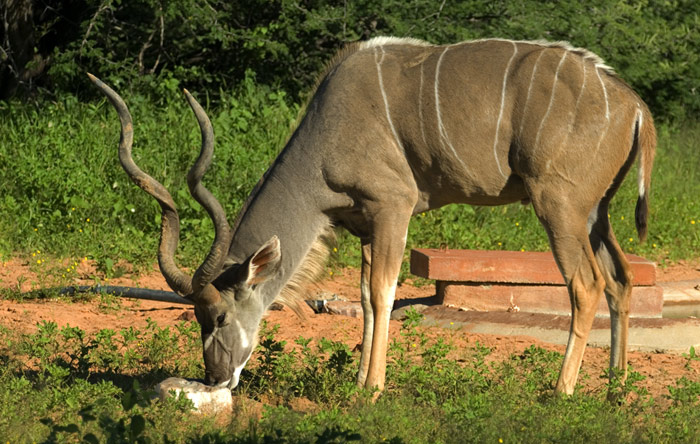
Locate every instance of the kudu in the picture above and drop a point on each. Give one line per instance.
(400, 126)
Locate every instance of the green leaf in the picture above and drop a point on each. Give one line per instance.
(129, 400)
(91, 439)
(138, 425)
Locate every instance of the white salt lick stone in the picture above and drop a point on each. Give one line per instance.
(208, 400)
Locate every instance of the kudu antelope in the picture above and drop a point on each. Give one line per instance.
(400, 126)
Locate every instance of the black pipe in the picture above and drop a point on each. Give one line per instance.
(127, 292)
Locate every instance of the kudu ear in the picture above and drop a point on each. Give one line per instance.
(262, 264)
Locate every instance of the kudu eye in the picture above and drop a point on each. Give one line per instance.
(221, 319)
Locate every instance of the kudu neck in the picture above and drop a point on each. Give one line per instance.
(283, 205)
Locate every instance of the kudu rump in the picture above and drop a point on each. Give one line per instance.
(397, 127)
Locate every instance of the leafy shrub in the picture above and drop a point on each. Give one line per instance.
(152, 47)
(324, 373)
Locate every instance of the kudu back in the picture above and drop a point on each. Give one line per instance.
(400, 126)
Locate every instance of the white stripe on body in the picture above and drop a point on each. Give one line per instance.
(551, 100)
(444, 138)
(529, 91)
(571, 124)
(420, 105)
(607, 113)
(379, 61)
(500, 112)
(605, 94)
(580, 94)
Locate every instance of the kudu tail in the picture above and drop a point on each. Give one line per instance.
(645, 141)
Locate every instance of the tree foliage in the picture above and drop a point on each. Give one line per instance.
(156, 45)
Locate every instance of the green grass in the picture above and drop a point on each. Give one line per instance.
(62, 385)
(65, 194)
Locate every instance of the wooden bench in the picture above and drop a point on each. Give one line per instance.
(520, 281)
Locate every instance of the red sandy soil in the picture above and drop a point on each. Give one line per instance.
(660, 370)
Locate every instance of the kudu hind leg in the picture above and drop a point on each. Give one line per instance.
(367, 313)
(585, 285)
(617, 273)
(572, 250)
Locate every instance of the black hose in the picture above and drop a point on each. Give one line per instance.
(127, 292)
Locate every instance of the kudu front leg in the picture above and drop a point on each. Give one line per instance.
(367, 313)
(387, 247)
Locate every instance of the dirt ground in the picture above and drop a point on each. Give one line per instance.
(660, 370)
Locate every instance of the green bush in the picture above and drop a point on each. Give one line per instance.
(150, 46)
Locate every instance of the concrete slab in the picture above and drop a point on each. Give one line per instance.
(681, 292)
(650, 335)
(673, 334)
(646, 301)
(681, 299)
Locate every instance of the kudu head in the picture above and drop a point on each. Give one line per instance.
(227, 304)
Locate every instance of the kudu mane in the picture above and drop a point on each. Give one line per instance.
(308, 272)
